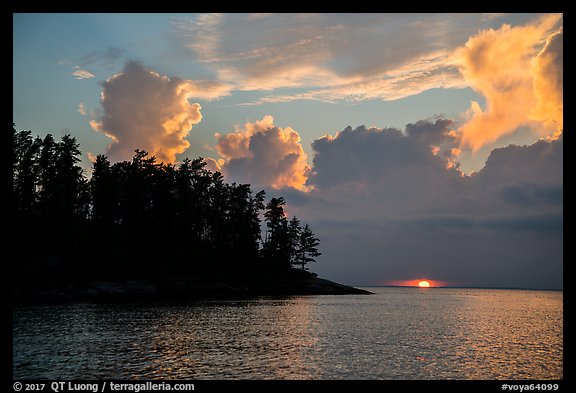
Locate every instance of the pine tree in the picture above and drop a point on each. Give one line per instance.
(294, 233)
(308, 250)
(277, 245)
(103, 191)
(71, 184)
(25, 171)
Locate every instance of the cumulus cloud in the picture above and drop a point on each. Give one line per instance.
(263, 154)
(505, 66)
(142, 109)
(523, 178)
(405, 164)
(410, 173)
(388, 202)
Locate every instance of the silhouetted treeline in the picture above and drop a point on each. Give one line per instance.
(140, 218)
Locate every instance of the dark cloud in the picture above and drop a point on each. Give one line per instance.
(538, 162)
(363, 155)
(395, 170)
(388, 205)
(528, 194)
(521, 179)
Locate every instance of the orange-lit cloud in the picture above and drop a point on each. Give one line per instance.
(82, 109)
(548, 84)
(212, 165)
(91, 156)
(263, 154)
(142, 109)
(329, 57)
(428, 72)
(504, 66)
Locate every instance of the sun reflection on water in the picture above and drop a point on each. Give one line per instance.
(398, 333)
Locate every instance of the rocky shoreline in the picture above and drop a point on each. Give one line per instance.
(178, 290)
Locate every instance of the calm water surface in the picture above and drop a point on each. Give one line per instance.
(398, 333)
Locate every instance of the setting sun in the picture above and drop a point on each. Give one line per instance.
(419, 283)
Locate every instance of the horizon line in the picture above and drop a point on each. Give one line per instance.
(458, 287)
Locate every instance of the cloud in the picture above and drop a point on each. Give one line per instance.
(365, 161)
(208, 90)
(547, 68)
(201, 35)
(505, 66)
(105, 58)
(82, 109)
(521, 180)
(401, 82)
(387, 205)
(82, 74)
(320, 55)
(288, 57)
(263, 154)
(212, 165)
(408, 173)
(142, 109)
(91, 156)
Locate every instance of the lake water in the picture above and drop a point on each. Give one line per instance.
(398, 333)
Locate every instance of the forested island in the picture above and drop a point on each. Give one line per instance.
(144, 229)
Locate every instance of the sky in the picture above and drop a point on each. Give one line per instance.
(415, 145)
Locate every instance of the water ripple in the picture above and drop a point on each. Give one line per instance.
(399, 333)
